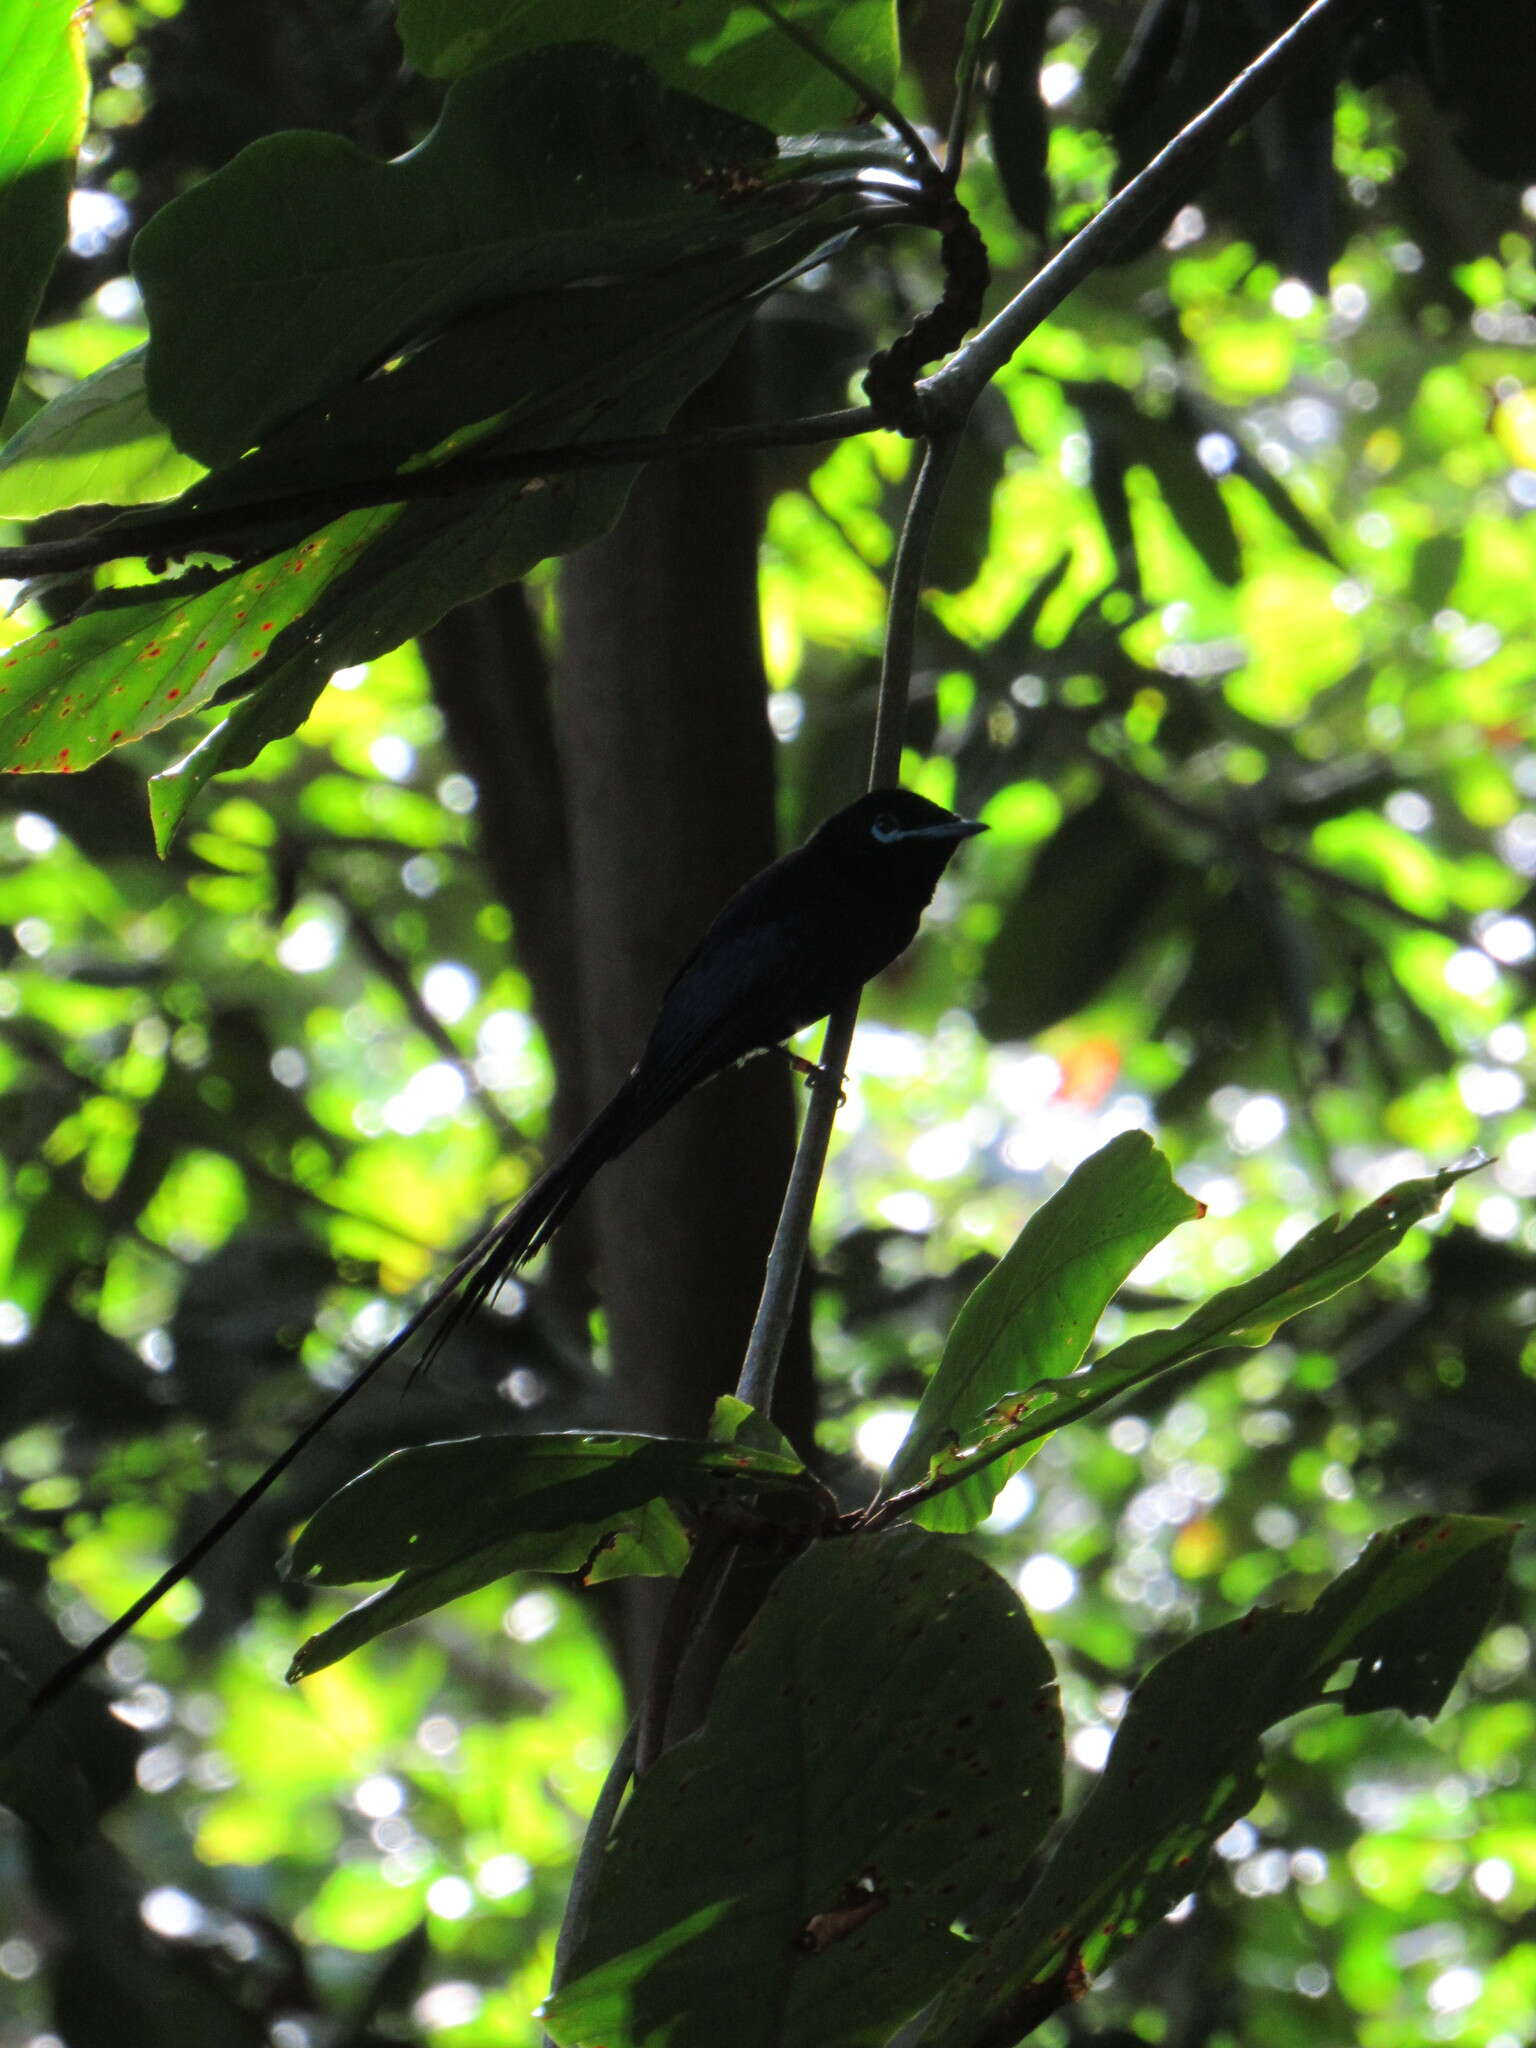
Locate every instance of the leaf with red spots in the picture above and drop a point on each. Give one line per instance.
(1187, 1759)
(883, 1746)
(142, 656)
(607, 359)
(356, 588)
(424, 558)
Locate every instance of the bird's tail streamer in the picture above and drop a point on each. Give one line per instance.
(473, 1279)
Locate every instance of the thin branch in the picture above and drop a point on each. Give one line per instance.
(781, 1279)
(382, 957)
(906, 597)
(1327, 881)
(863, 88)
(951, 392)
(242, 529)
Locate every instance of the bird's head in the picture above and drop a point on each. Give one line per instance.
(897, 842)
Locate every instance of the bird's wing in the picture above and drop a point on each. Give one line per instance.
(753, 984)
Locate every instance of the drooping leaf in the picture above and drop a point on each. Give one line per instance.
(646, 1541)
(1034, 1314)
(726, 51)
(1186, 1761)
(1126, 436)
(428, 1505)
(43, 86)
(1016, 118)
(789, 1878)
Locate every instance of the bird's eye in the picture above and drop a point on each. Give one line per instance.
(886, 828)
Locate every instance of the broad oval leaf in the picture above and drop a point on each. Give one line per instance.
(790, 1877)
(304, 264)
(726, 51)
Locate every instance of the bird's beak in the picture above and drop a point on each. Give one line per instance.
(967, 828)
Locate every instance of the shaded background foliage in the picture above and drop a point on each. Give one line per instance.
(1229, 638)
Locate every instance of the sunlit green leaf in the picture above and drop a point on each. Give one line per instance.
(1031, 1319)
(42, 118)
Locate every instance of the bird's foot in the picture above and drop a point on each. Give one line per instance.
(816, 1076)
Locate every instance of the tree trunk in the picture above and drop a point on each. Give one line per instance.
(668, 767)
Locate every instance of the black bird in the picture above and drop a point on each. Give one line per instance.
(786, 950)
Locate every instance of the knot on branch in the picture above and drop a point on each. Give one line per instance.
(891, 379)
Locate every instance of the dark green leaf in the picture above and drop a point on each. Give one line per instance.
(1016, 116)
(39, 1778)
(1074, 922)
(726, 51)
(305, 265)
(430, 1505)
(1187, 1762)
(643, 1542)
(789, 1878)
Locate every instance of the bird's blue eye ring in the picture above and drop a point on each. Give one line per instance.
(886, 828)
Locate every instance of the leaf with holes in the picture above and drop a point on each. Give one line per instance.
(884, 1745)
